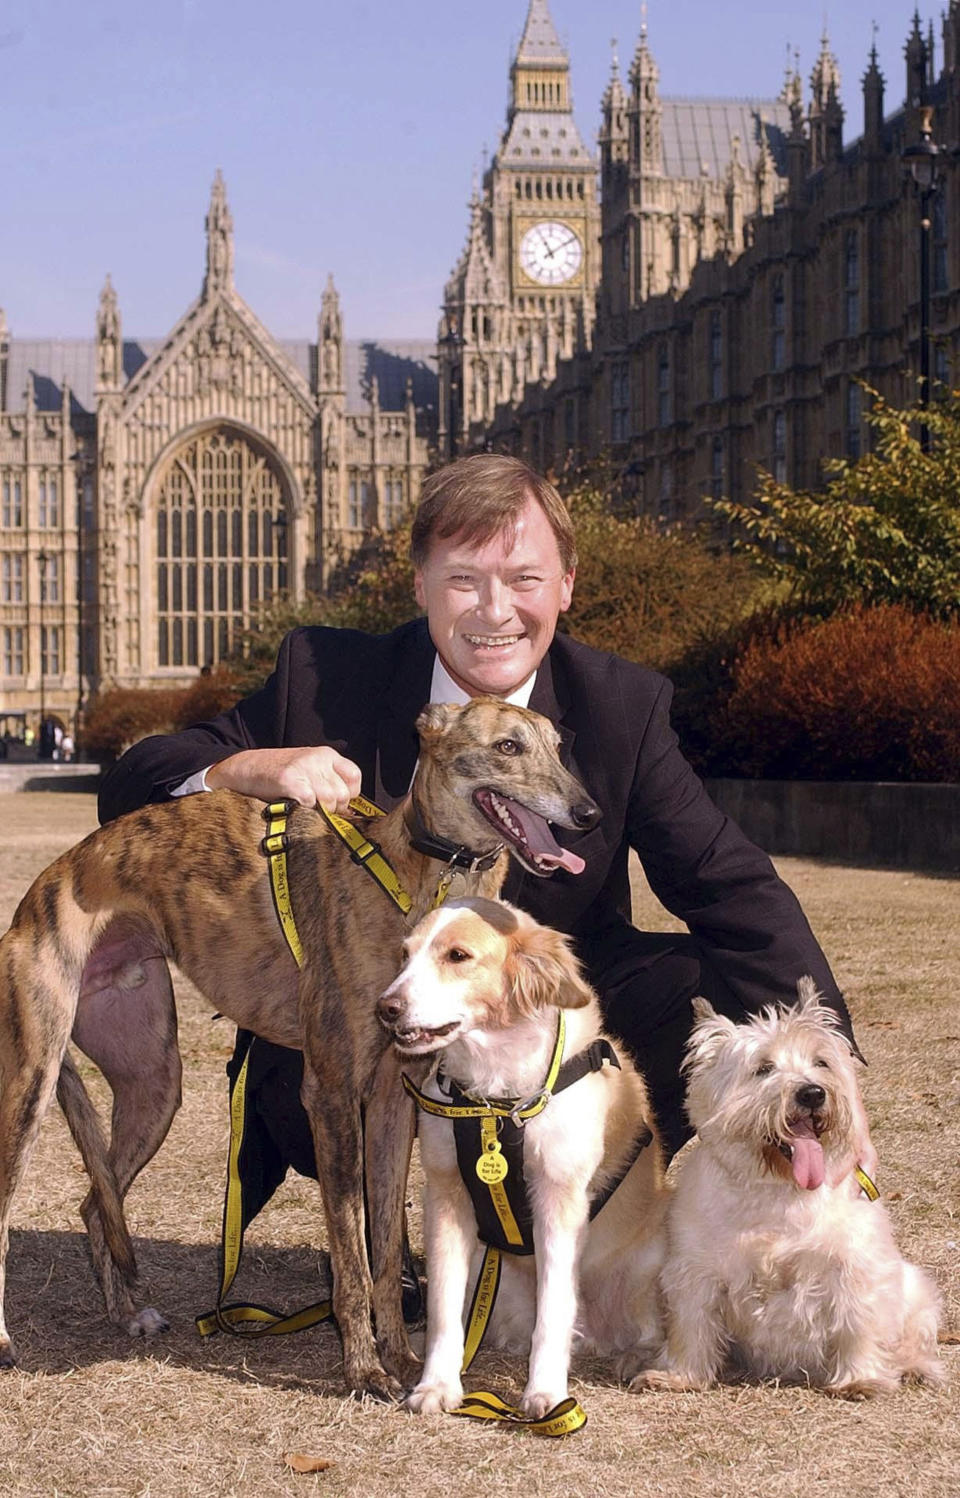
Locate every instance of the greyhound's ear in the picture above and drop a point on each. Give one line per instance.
(436, 718)
(543, 970)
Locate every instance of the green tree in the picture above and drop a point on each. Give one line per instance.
(886, 529)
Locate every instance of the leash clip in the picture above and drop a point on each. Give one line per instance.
(536, 1100)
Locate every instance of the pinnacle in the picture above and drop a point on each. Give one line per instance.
(540, 42)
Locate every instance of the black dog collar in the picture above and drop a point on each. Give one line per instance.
(454, 855)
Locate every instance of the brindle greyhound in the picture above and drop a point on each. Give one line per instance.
(86, 956)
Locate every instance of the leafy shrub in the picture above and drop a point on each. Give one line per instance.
(651, 593)
(121, 716)
(869, 694)
(886, 529)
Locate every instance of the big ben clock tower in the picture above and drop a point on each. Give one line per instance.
(522, 294)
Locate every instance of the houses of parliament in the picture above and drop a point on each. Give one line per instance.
(703, 296)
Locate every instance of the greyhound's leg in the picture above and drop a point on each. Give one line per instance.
(332, 1092)
(33, 1038)
(126, 1023)
(389, 1127)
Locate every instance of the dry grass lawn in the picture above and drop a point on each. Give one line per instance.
(88, 1412)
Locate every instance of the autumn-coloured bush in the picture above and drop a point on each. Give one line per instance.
(121, 716)
(650, 592)
(868, 694)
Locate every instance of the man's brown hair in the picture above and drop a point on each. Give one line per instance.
(482, 495)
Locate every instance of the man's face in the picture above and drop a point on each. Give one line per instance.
(492, 607)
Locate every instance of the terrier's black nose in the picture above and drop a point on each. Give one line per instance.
(811, 1096)
(585, 814)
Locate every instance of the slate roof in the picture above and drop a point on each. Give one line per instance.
(699, 132)
(51, 360)
(543, 139)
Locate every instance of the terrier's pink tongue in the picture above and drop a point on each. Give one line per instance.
(807, 1160)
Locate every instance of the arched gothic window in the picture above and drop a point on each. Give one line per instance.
(221, 534)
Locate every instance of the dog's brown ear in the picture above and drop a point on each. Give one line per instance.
(436, 718)
(543, 970)
(703, 1009)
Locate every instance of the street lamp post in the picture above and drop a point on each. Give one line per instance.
(921, 161)
(42, 560)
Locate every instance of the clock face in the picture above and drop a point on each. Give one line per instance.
(551, 253)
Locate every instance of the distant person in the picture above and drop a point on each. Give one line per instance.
(67, 747)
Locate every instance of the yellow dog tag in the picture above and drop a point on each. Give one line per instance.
(491, 1166)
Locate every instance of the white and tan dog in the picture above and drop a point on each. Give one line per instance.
(778, 1264)
(482, 984)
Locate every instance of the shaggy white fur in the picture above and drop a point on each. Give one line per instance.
(777, 1263)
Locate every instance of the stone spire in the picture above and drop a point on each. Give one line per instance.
(219, 226)
(540, 43)
(826, 111)
(915, 53)
(873, 101)
(540, 75)
(4, 358)
(109, 344)
(614, 100)
(330, 342)
(646, 108)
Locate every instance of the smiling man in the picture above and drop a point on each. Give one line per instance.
(495, 561)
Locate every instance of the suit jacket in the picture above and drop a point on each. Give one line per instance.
(362, 694)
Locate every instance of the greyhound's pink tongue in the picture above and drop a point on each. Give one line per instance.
(541, 841)
(807, 1158)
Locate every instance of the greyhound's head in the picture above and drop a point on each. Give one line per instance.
(489, 773)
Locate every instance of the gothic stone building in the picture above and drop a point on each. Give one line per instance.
(754, 269)
(154, 493)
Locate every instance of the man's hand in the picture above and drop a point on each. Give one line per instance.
(312, 777)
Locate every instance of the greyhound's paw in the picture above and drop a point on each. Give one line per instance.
(8, 1358)
(147, 1323)
(432, 1399)
(377, 1384)
(407, 1370)
(536, 1403)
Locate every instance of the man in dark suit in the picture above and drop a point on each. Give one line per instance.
(495, 560)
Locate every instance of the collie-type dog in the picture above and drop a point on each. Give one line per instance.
(483, 986)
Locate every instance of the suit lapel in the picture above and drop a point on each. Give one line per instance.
(551, 698)
(397, 743)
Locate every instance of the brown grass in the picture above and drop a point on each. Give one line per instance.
(89, 1412)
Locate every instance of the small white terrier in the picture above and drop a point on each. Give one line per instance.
(778, 1263)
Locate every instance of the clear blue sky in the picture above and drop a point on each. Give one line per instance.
(347, 134)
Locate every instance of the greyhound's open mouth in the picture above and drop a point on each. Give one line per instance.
(527, 833)
(803, 1149)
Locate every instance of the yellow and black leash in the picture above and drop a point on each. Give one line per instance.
(868, 1187)
(240, 1318)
